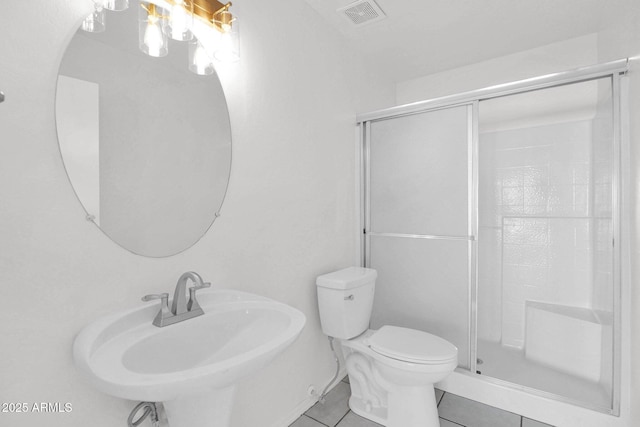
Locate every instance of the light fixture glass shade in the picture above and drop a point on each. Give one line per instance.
(96, 22)
(199, 61)
(228, 46)
(179, 22)
(152, 37)
(116, 5)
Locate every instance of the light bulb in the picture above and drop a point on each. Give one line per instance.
(179, 22)
(178, 18)
(225, 52)
(227, 48)
(225, 19)
(153, 37)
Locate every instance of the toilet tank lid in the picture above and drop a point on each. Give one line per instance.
(412, 345)
(347, 278)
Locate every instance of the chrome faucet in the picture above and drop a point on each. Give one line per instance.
(181, 309)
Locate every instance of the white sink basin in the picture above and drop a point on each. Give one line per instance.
(197, 360)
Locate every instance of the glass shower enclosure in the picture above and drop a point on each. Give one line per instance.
(493, 220)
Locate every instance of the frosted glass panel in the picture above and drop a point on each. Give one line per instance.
(419, 173)
(423, 284)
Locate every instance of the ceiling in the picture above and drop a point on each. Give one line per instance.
(421, 37)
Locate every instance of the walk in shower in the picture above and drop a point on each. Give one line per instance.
(493, 220)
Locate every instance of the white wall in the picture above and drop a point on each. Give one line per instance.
(289, 213)
(566, 55)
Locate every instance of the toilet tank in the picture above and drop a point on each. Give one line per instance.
(345, 300)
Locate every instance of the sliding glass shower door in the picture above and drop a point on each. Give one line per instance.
(494, 222)
(417, 228)
(546, 247)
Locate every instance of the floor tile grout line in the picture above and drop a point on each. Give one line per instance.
(458, 424)
(438, 404)
(318, 421)
(347, 413)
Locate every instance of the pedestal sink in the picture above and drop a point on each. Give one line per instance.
(192, 366)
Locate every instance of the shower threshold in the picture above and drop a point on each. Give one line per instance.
(510, 364)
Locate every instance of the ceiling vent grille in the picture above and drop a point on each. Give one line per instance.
(362, 12)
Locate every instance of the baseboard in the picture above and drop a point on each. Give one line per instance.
(304, 406)
(296, 412)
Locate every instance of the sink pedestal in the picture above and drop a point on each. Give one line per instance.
(208, 409)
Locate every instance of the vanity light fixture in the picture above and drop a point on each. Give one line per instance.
(221, 40)
(116, 5)
(208, 25)
(95, 22)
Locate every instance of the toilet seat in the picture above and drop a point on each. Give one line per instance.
(412, 346)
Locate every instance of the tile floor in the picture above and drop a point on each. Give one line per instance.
(455, 411)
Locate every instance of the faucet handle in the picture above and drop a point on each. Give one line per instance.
(193, 305)
(164, 313)
(151, 297)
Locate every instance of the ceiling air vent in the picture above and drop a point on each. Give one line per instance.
(362, 12)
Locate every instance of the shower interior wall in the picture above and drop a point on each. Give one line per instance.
(527, 251)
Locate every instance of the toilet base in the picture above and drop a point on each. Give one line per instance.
(409, 407)
(413, 407)
(359, 407)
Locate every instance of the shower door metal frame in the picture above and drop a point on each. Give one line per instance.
(614, 70)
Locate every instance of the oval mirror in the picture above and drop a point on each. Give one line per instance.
(145, 142)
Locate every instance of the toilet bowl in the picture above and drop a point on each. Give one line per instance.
(392, 382)
(391, 370)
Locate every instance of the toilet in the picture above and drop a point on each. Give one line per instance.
(391, 370)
